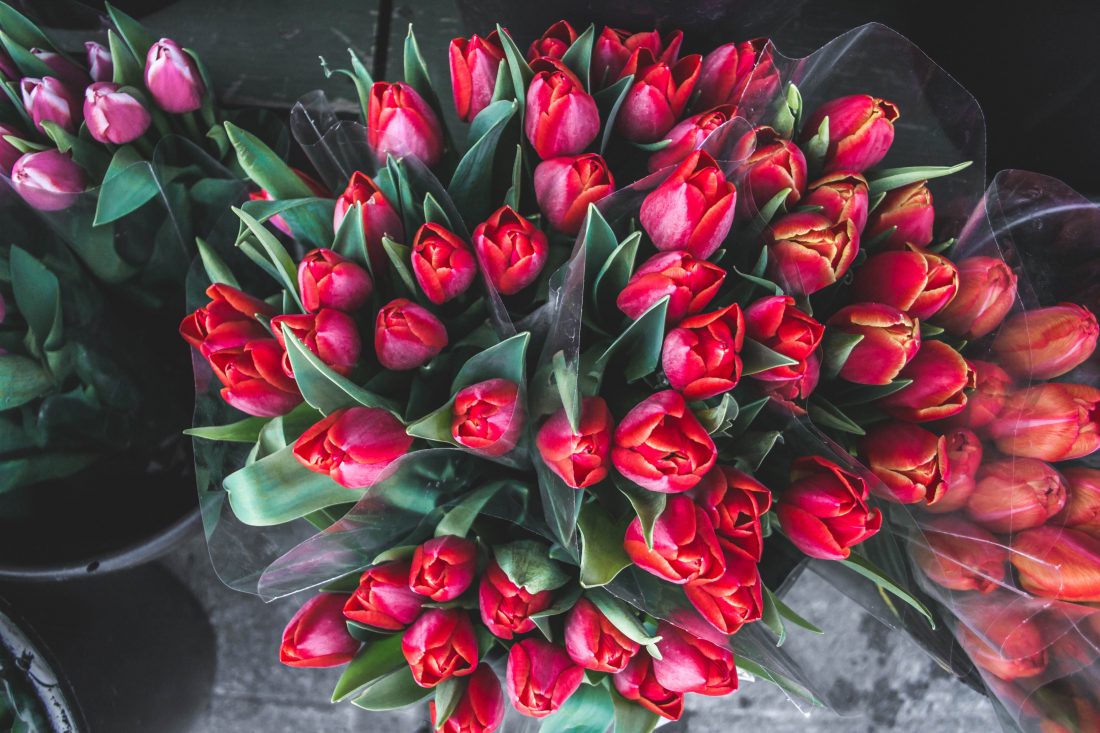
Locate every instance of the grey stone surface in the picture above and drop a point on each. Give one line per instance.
(884, 680)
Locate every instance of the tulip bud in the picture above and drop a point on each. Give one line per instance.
(964, 455)
(691, 664)
(380, 218)
(317, 636)
(808, 252)
(442, 263)
(49, 100)
(692, 210)
(277, 220)
(910, 461)
(1082, 508)
(727, 70)
(984, 404)
(1046, 342)
(690, 285)
(228, 321)
(824, 510)
(8, 152)
(770, 164)
(841, 195)
(890, 340)
(355, 446)
(407, 336)
(638, 684)
(685, 548)
(661, 446)
(70, 73)
(114, 116)
(613, 49)
(479, 710)
(48, 180)
(1053, 422)
(511, 249)
(861, 130)
(580, 459)
(1003, 640)
(734, 501)
(328, 280)
(689, 135)
(100, 63)
(487, 418)
(554, 42)
(789, 393)
(564, 187)
(658, 96)
(959, 555)
(253, 378)
(734, 599)
(506, 608)
(701, 357)
(383, 599)
(562, 118)
(443, 568)
(912, 280)
(330, 334)
(776, 323)
(1058, 562)
(440, 644)
(940, 377)
(474, 66)
(593, 642)
(540, 677)
(986, 292)
(908, 212)
(1016, 494)
(400, 123)
(173, 78)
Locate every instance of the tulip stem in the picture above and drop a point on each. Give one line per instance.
(192, 126)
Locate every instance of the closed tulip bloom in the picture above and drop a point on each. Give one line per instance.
(380, 218)
(439, 645)
(579, 459)
(1083, 499)
(940, 379)
(1046, 342)
(383, 599)
(317, 636)
(890, 340)
(861, 131)
(561, 118)
(912, 280)
(726, 71)
(658, 95)
(407, 336)
(692, 210)
(685, 548)
(841, 195)
(770, 164)
(330, 334)
(474, 65)
(328, 280)
(554, 42)
(807, 251)
(1058, 562)
(987, 290)
(564, 187)
(1015, 494)
(228, 321)
(400, 123)
(540, 677)
(593, 642)
(661, 446)
(101, 66)
(173, 78)
(984, 404)
(8, 152)
(910, 461)
(689, 283)
(1004, 640)
(691, 664)
(824, 510)
(733, 600)
(638, 684)
(479, 710)
(958, 555)
(908, 212)
(789, 393)
(1053, 422)
(506, 608)
(487, 418)
(48, 180)
(253, 379)
(354, 446)
(614, 47)
(734, 501)
(443, 567)
(777, 323)
(113, 116)
(701, 357)
(443, 264)
(964, 456)
(49, 100)
(688, 135)
(511, 249)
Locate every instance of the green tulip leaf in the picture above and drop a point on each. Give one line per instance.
(602, 553)
(504, 361)
(21, 380)
(417, 76)
(373, 662)
(642, 341)
(29, 64)
(214, 265)
(588, 710)
(862, 566)
(756, 358)
(517, 66)
(615, 272)
(458, 520)
(396, 690)
(22, 30)
(753, 447)
(861, 394)
(719, 417)
(128, 185)
(434, 213)
(622, 616)
(568, 388)
(630, 717)
(891, 178)
(745, 416)
(284, 267)
(648, 505)
(578, 57)
(38, 297)
(448, 694)
(827, 415)
(527, 564)
(400, 256)
(351, 239)
(323, 388)
(136, 36)
(817, 146)
(126, 68)
(514, 195)
(86, 153)
(767, 212)
(609, 101)
(242, 431)
(837, 348)
(748, 664)
(599, 244)
(471, 185)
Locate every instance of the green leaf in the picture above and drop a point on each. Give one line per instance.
(285, 268)
(622, 616)
(517, 66)
(395, 690)
(351, 239)
(242, 431)
(788, 111)
(754, 446)
(471, 184)
(400, 256)
(928, 331)
(29, 64)
(458, 520)
(891, 178)
(136, 36)
(21, 380)
(527, 564)
(373, 662)
(323, 388)
(448, 694)
(568, 387)
(38, 297)
(767, 212)
(588, 710)
(609, 101)
(504, 360)
(514, 195)
(630, 717)
(614, 274)
(215, 266)
(861, 565)
(772, 619)
(266, 169)
(861, 394)
(128, 185)
(714, 418)
(817, 146)
(599, 244)
(126, 69)
(745, 416)
(434, 213)
(87, 154)
(602, 553)
(756, 358)
(828, 415)
(578, 57)
(648, 505)
(22, 30)
(416, 73)
(644, 339)
(791, 615)
(783, 682)
(838, 347)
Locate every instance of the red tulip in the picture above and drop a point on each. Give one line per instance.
(317, 636)
(890, 341)
(841, 195)
(443, 568)
(701, 357)
(940, 377)
(912, 280)
(579, 459)
(474, 66)
(380, 218)
(479, 710)
(112, 115)
(564, 187)
(789, 393)
(910, 461)
(733, 600)
(487, 418)
(770, 164)
(1004, 640)
(685, 548)
(1053, 422)
(327, 280)
(593, 642)
(553, 43)
(355, 446)
(808, 251)
(228, 321)
(48, 180)
(173, 78)
(1082, 508)
(1016, 494)
(400, 123)
(727, 71)
(661, 446)
(613, 49)
(407, 336)
(506, 608)
(861, 130)
(383, 599)
(511, 249)
(734, 501)
(776, 323)
(1058, 562)
(908, 212)
(985, 403)
(658, 96)
(443, 264)
(440, 644)
(690, 285)
(964, 455)
(824, 510)
(689, 135)
(540, 677)
(987, 290)
(1046, 342)
(638, 684)
(692, 210)
(691, 664)
(277, 220)
(561, 117)
(49, 100)
(100, 65)
(253, 379)
(961, 556)
(330, 334)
